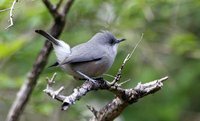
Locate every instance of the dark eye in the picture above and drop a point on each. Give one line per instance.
(112, 41)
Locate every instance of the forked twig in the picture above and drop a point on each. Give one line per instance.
(118, 75)
(11, 14)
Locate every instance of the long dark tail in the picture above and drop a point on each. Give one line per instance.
(48, 36)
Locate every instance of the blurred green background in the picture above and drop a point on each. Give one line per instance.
(170, 47)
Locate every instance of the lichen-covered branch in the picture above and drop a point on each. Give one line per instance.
(113, 109)
(124, 97)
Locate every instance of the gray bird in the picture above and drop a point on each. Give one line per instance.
(92, 58)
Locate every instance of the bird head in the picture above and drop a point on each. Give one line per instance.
(106, 38)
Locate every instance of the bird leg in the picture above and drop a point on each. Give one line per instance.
(87, 77)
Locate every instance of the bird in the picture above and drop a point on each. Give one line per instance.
(92, 58)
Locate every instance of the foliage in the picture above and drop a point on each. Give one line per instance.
(170, 46)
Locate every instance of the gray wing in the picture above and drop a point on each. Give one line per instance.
(85, 53)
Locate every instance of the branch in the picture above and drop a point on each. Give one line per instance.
(11, 14)
(124, 97)
(59, 4)
(67, 7)
(117, 105)
(52, 9)
(4, 9)
(27, 88)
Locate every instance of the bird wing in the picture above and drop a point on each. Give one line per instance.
(84, 53)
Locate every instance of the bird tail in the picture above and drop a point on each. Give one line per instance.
(48, 36)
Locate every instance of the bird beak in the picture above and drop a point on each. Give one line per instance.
(120, 40)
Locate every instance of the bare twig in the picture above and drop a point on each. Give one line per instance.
(150, 87)
(76, 95)
(4, 9)
(49, 90)
(135, 47)
(118, 76)
(120, 84)
(11, 14)
(109, 75)
(50, 82)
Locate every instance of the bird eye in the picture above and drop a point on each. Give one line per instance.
(112, 41)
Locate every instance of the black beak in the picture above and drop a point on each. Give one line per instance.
(120, 40)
